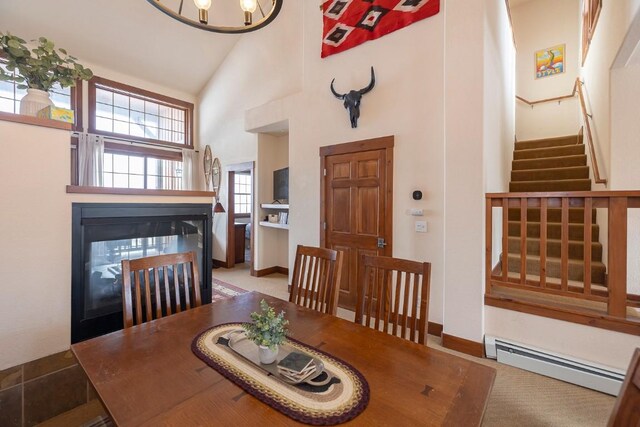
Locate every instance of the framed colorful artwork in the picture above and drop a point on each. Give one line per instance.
(550, 62)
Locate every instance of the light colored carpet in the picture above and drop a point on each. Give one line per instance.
(519, 398)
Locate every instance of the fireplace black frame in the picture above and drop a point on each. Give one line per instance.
(83, 329)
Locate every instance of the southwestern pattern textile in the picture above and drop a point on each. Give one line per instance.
(348, 23)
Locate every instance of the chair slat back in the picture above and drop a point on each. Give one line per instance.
(316, 279)
(626, 411)
(393, 296)
(153, 288)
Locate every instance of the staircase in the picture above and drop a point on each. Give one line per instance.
(550, 165)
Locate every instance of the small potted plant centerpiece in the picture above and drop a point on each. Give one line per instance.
(268, 331)
(38, 70)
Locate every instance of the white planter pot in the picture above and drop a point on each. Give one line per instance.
(34, 101)
(267, 356)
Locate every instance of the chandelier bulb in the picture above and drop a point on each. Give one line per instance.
(249, 5)
(203, 4)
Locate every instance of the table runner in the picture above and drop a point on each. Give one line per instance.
(336, 403)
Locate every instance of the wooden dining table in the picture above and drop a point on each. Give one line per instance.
(148, 375)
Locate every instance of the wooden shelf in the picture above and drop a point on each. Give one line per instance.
(274, 225)
(275, 206)
(74, 189)
(35, 121)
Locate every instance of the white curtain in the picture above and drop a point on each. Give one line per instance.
(90, 160)
(188, 160)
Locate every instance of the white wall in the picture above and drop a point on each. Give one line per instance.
(35, 225)
(499, 106)
(263, 66)
(625, 155)
(539, 25)
(272, 244)
(613, 25)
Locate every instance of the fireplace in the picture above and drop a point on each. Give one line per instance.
(104, 234)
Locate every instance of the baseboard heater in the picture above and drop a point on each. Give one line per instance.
(574, 371)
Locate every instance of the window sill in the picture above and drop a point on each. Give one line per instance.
(75, 189)
(35, 121)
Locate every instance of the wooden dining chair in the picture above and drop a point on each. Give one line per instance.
(626, 411)
(316, 279)
(162, 285)
(393, 296)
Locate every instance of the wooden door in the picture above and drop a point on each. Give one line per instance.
(356, 210)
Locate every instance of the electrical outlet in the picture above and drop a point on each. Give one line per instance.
(421, 226)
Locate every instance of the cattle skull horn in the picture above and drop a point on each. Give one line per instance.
(353, 98)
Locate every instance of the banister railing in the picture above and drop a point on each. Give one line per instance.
(535, 257)
(578, 89)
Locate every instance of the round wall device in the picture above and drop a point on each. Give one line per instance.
(417, 195)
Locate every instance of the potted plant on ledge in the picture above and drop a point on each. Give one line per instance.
(267, 331)
(38, 70)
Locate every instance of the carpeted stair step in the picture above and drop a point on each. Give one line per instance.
(553, 185)
(548, 142)
(554, 248)
(553, 268)
(541, 153)
(554, 230)
(550, 162)
(576, 215)
(574, 172)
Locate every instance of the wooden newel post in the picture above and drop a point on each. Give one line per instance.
(617, 282)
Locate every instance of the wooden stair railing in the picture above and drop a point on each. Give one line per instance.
(578, 89)
(532, 289)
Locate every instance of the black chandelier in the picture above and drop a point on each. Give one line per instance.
(248, 7)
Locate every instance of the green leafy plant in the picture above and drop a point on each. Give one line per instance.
(41, 67)
(267, 329)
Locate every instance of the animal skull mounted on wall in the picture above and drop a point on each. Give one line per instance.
(353, 98)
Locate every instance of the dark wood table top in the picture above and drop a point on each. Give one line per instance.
(147, 375)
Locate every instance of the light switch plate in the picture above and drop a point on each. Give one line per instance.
(421, 226)
(416, 212)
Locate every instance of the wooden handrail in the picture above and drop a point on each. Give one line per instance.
(557, 98)
(577, 89)
(592, 151)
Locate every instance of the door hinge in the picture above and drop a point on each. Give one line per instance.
(324, 225)
(324, 171)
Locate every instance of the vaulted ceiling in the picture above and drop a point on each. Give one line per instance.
(128, 36)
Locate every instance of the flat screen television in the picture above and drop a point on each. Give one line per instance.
(281, 184)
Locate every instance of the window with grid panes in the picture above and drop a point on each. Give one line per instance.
(242, 193)
(123, 170)
(131, 113)
(10, 95)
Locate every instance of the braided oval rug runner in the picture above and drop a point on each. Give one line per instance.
(344, 398)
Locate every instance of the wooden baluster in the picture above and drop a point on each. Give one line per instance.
(588, 236)
(176, 288)
(312, 282)
(147, 294)
(167, 292)
(320, 297)
(396, 302)
(187, 294)
(380, 289)
(564, 246)
(523, 241)
(505, 239)
(414, 305)
(405, 303)
(369, 289)
(138, 289)
(156, 280)
(488, 252)
(543, 241)
(303, 273)
(617, 283)
(388, 286)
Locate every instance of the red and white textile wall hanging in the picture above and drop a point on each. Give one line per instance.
(348, 23)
